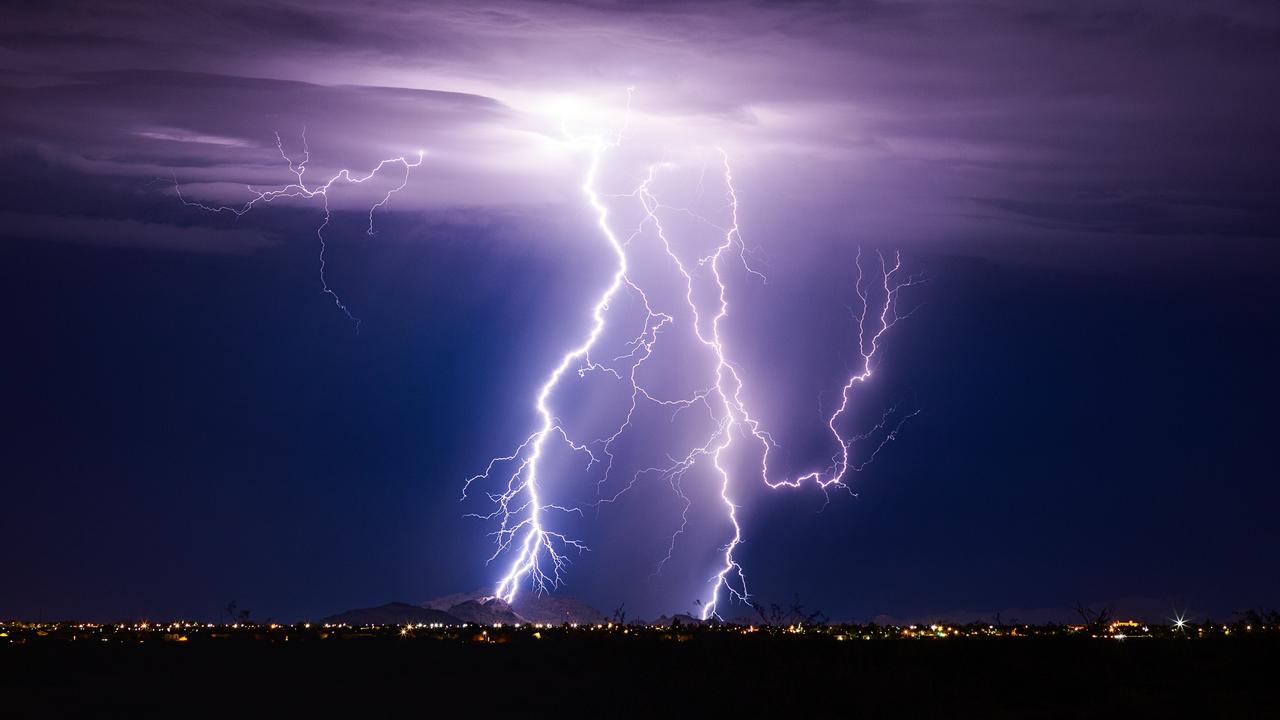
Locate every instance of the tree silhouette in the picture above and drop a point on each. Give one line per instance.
(800, 617)
(1095, 621)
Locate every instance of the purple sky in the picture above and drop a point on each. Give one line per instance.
(1090, 185)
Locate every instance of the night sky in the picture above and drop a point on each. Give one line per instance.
(1089, 187)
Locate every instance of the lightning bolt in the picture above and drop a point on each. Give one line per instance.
(729, 385)
(540, 554)
(874, 325)
(299, 189)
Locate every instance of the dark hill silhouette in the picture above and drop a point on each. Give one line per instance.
(556, 609)
(393, 613)
(485, 611)
(682, 619)
(478, 606)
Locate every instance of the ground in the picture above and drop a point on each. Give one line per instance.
(515, 673)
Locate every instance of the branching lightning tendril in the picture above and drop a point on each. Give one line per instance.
(535, 551)
(299, 189)
(538, 553)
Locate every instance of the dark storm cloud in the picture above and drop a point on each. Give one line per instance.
(135, 131)
(102, 116)
(916, 104)
(133, 233)
(1138, 216)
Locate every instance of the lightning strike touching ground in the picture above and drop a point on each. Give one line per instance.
(539, 553)
(520, 509)
(299, 189)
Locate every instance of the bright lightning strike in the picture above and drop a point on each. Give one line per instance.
(538, 553)
(299, 189)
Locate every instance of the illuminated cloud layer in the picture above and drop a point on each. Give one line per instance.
(807, 142)
(919, 119)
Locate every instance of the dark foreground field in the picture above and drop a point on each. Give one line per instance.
(598, 674)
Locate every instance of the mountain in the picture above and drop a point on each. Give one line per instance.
(444, 603)
(683, 619)
(393, 613)
(479, 607)
(555, 610)
(484, 611)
